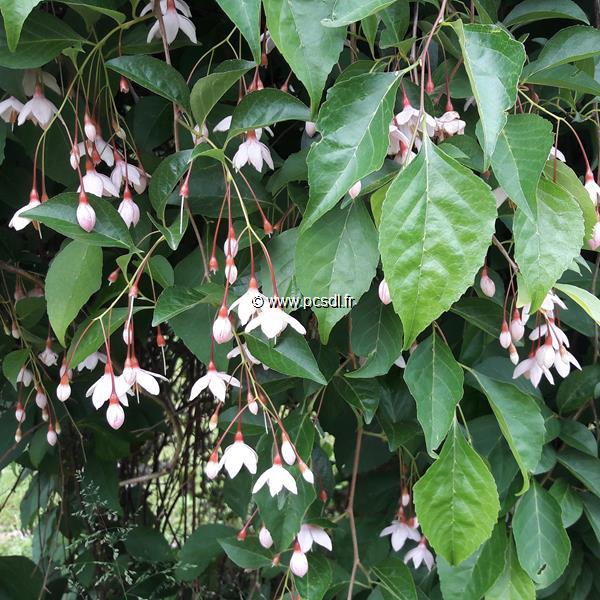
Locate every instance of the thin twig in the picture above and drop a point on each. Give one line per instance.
(350, 507)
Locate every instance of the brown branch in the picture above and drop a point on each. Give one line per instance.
(4, 266)
(350, 507)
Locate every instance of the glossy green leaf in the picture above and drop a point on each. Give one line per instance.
(376, 335)
(42, 38)
(338, 255)
(165, 179)
(12, 363)
(317, 582)
(174, 301)
(481, 312)
(513, 583)
(431, 260)
(520, 421)
(155, 75)
(266, 107)
(74, 275)
(148, 545)
(395, 579)
(568, 45)
(14, 13)
(248, 554)
(354, 125)
(396, 19)
(60, 214)
(477, 574)
(583, 466)
(566, 76)
(493, 61)
(530, 11)
(20, 578)
(435, 381)
(577, 389)
(543, 546)
(456, 500)
(362, 394)
(208, 90)
(245, 14)
(92, 10)
(585, 299)
(291, 355)
(578, 436)
(546, 245)
(344, 12)
(520, 156)
(591, 507)
(310, 49)
(571, 506)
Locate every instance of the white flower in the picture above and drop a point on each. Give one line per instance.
(530, 369)
(173, 22)
(449, 124)
(31, 77)
(517, 328)
(400, 362)
(18, 222)
(486, 283)
(354, 191)
(129, 210)
(402, 530)
(407, 121)
(563, 360)
(384, 292)
(273, 321)
(231, 245)
(51, 436)
(558, 336)
(593, 189)
(25, 376)
(250, 303)
(420, 554)
(200, 134)
(63, 390)
(180, 5)
(550, 301)
(298, 562)
(556, 153)
(126, 172)
(99, 147)
(91, 362)
(313, 533)
(86, 215)
(231, 271)
(306, 473)
(505, 339)
(20, 412)
(40, 398)
(238, 455)
(48, 356)
(277, 478)
(10, 109)
(264, 537)
(267, 41)
(237, 351)
(89, 127)
(287, 450)
(96, 183)
(252, 151)
(102, 389)
(310, 128)
(134, 375)
(513, 354)
(215, 381)
(544, 355)
(223, 124)
(222, 330)
(115, 415)
(39, 110)
(212, 466)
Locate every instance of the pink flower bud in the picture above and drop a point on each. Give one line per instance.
(18, 434)
(264, 537)
(63, 391)
(298, 562)
(310, 128)
(86, 216)
(231, 271)
(89, 127)
(505, 339)
(306, 472)
(354, 191)
(231, 244)
(487, 285)
(222, 330)
(213, 264)
(114, 413)
(287, 450)
(74, 157)
(45, 415)
(40, 398)
(252, 403)
(517, 329)
(19, 412)
(124, 85)
(514, 355)
(384, 292)
(51, 436)
(545, 355)
(112, 278)
(212, 466)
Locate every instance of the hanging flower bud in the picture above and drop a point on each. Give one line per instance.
(89, 127)
(51, 436)
(86, 216)
(276, 560)
(514, 355)
(354, 191)
(214, 420)
(63, 391)
(287, 450)
(124, 85)
(14, 331)
(487, 285)
(112, 278)
(405, 498)
(241, 536)
(306, 472)
(74, 157)
(45, 415)
(212, 466)
(222, 330)
(19, 412)
(231, 271)
(252, 403)
(298, 562)
(429, 86)
(160, 338)
(310, 128)
(264, 537)
(384, 292)
(40, 398)
(517, 329)
(18, 434)
(231, 244)
(544, 355)
(594, 242)
(213, 264)
(115, 415)
(128, 209)
(505, 339)
(323, 495)
(267, 227)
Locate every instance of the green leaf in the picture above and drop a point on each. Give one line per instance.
(577, 389)
(310, 49)
(92, 10)
(148, 545)
(578, 436)
(477, 574)
(569, 501)
(591, 507)
(60, 214)
(344, 12)
(74, 275)
(493, 61)
(568, 45)
(42, 38)
(543, 546)
(12, 363)
(456, 500)
(435, 381)
(362, 394)
(155, 75)
(395, 579)
(175, 232)
(317, 582)
(208, 90)
(338, 255)
(431, 260)
(583, 466)
(530, 11)
(396, 19)
(20, 578)
(354, 125)
(520, 421)
(245, 14)
(174, 301)
(520, 156)
(481, 312)
(200, 549)
(165, 178)
(248, 554)
(546, 245)
(513, 583)
(14, 13)
(376, 335)
(587, 301)
(566, 76)
(291, 355)
(266, 107)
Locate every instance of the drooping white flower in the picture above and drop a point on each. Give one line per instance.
(420, 554)
(517, 329)
(310, 128)
(402, 530)
(505, 339)
(10, 109)
(115, 415)
(212, 468)
(486, 283)
(89, 127)
(96, 183)
(231, 245)
(20, 413)
(556, 153)
(32, 77)
(129, 210)
(180, 5)
(298, 562)
(237, 455)
(173, 22)
(513, 354)
(48, 356)
(530, 369)
(40, 398)
(592, 188)
(558, 336)
(63, 390)
(215, 381)
(544, 355)
(18, 222)
(39, 110)
(287, 450)
(99, 150)
(313, 533)
(252, 151)
(563, 360)
(264, 537)
(222, 330)
(134, 375)
(277, 478)
(384, 292)
(123, 172)
(408, 120)
(306, 473)
(449, 124)
(25, 376)
(86, 215)
(247, 355)
(272, 322)
(223, 125)
(200, 134)
(250, 303)
(550, 301)
(102, 389)
(51, 436)
(231, 271)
